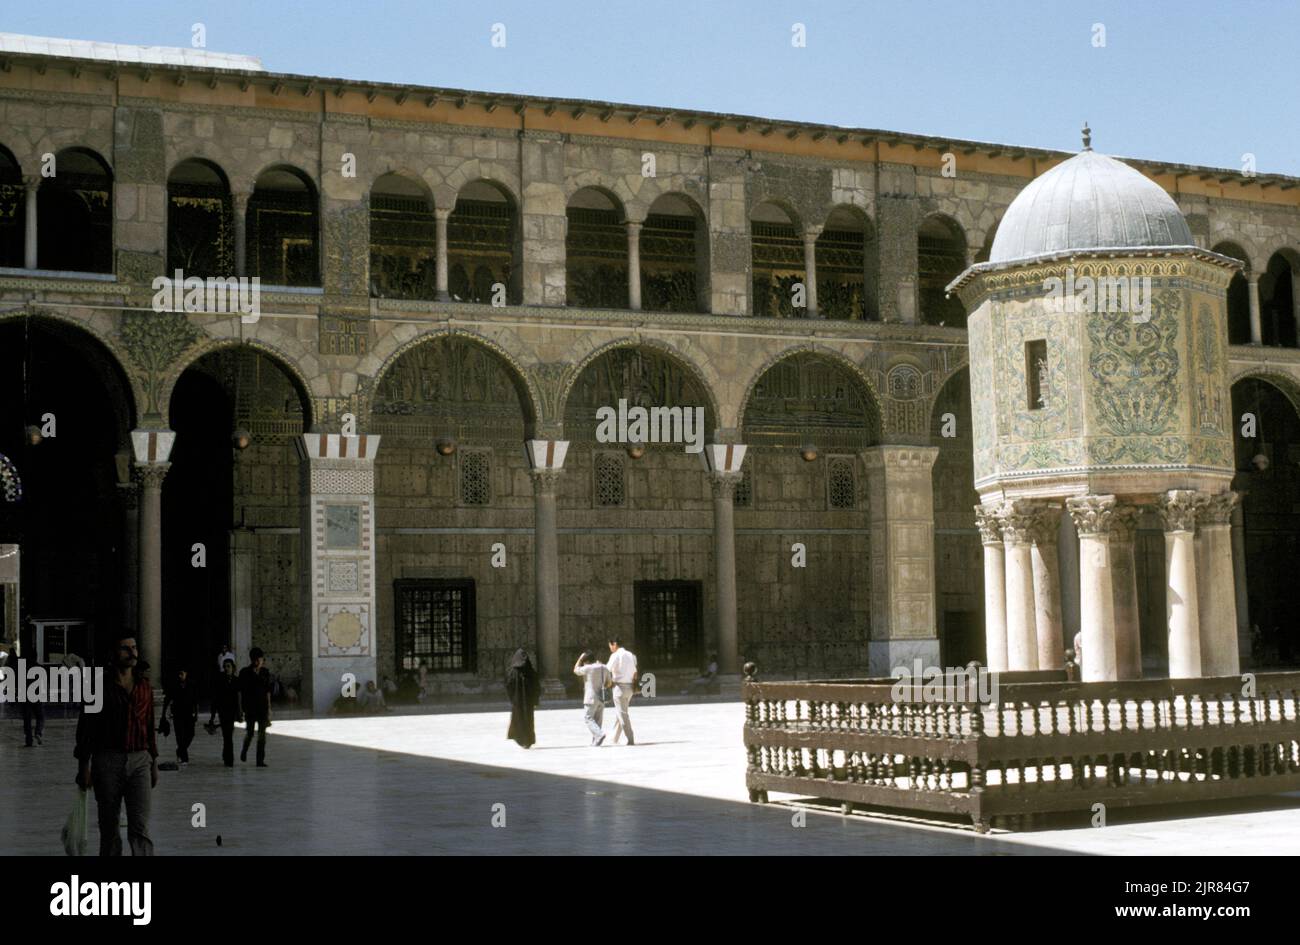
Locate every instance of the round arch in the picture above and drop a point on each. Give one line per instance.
(941, 257)
(820, 351)
(484, 245)
(674, 250)
(283, 227)
(74, 210)
(282, 359)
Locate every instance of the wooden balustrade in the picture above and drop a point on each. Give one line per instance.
(1041, 745)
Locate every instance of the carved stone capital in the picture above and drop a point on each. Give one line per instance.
(724, 485)
(989, 524)
(545, 481)
(1044, 520)
(1092, 514)
(1178, 509)
(1019, 521)
(150, 476)
(1123, 524)
(1217, 509)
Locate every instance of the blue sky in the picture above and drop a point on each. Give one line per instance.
(1189, 81)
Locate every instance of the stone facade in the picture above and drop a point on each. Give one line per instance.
(884, 571)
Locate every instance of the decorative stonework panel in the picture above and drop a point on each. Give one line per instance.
(344, 629)
(343, 576)
(357, 481)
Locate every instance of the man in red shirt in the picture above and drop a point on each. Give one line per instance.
(117, 753)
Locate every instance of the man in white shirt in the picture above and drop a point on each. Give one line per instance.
(622, 666)
(593, 674)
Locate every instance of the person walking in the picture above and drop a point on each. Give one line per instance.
(622, 666)
(255, 703)
(117, 754)
(593, 675)
(184, 702)
(525, 691)
(225, 704)
(33, 718)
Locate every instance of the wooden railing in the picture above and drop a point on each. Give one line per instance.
(1038, 747)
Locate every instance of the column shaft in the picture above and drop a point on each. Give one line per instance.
(1239, 582)
(440, 217)
(547, 575)
(724, 564)
(1252, 293)
(1123, 559)
(1217, 596)
(1047, 585)
(239, 212)
(1181, 605)
(810, 274)
(1022, 638)
(149, 600)
(634, 266)
(995, 590)
(29, 223)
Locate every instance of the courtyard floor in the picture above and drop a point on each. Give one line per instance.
(429, 783)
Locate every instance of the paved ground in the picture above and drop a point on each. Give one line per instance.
(428, 783)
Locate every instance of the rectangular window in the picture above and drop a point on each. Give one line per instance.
(610, 489)
(668, 624)
(475, 478)
(1036, 377)
(435, 626)
(841, 484)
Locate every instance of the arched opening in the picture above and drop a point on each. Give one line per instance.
(13, 211)
(595, 247)
(200, 221)
(71, 523)
(843, 286)
(283, 229)
(242, 506)
(1268, 472)
(74, 211)
(618, 573)
(1238, 296)
(941, 257)
(403, 239)
(675, 257)
(958, 554)
(452, 414)
(806, 421)
(1277, 303)
(483, 245)
(777, 262)
(986, 249)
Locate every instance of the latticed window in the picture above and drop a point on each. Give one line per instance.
(475, 478)
(743, 497)
(435, 626)
(668, 624)
(610, 489)
(841, 486)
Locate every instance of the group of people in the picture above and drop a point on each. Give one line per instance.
(117, 750)
(618, 674)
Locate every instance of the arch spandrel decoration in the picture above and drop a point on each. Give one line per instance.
(450, 385)
(644, 376)
(269, 402)
(810, 394)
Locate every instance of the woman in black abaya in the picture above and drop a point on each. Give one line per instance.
(524, 691)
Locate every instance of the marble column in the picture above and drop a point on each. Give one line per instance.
(900, 483)
(995, 589)
(1123, 562)
(1067, 543)
(239, 213)
(1022, 617)
(1043, 534)
(1178, 511)
(440, 217)
(338, 565)
(150, 477)
(243, 559)
(30, 187)
(129, 494)
(723, 486)
(1092, 516)
(810, 271)
(1217, 594)
(633, 266)
(546, 461)
(1252, 294)
(1240, 588)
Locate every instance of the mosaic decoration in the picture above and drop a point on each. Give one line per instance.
(344, 629)
(807, 395)
(645, 377)
(11, 486)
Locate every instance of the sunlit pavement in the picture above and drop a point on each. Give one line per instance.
(435, 783)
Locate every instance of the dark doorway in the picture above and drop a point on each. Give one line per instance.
(963, 638)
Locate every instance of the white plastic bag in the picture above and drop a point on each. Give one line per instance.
(76, 826)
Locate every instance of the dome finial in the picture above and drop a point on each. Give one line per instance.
(1087, 137)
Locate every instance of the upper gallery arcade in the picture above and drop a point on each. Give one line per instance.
(447, 275)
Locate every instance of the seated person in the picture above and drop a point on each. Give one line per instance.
(708, 682)
(371, 699)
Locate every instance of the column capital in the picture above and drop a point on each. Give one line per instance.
(1092, 514)
(1044, 517)
(240, 198)
(1123, 523)
(723, 484)
(31, 181)
(150, 475)
(633, 227)
(1178, 508)
(987, 519)
(811, 232)
(1216, 510)
(545, 481)
(442, 214)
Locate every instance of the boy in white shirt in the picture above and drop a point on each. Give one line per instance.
(594, 675)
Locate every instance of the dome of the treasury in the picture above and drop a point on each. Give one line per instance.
(1089, 202)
